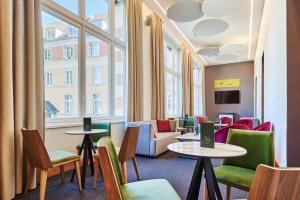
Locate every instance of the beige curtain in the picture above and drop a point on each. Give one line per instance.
(187, 83)
(135, 60)
(157, 58)
(21, 87)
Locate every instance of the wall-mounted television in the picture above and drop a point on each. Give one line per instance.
(227, 97)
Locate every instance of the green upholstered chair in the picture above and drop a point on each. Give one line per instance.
(239, 172)
(96, 137)
(158, 189)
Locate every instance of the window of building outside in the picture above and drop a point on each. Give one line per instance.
(172, 80)
(197, 89)
(87, 56)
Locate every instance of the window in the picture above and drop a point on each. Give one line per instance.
(97, 75)
(68, 77)
(68, 52)
(48, 79)
(47, 54)
(86, 51)
(197, 90)
(68, 104)
(172, 80)
(96, 104)
(94, 48)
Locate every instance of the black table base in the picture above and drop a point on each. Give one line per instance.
(211, 181)
(88, 149)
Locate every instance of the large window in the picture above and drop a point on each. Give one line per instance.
(197, 90)
(84, 46)
(172, 80)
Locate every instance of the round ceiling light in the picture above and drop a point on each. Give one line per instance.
(217, 8)
(209, 51)
(210, 27)
(232, 48)
(227, 57)
(185, 11)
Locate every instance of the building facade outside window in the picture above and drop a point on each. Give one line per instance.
(47, 54)
(94, 48)
(96, 104)
(197, 90)
(68, 104)
(50, 34)
(97, 75)
(68, 77)
(49, 79)
(68, 52)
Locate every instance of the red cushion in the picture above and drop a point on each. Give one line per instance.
(163, 126)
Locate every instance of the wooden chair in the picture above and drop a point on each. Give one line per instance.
(275, 183)
(39, 158)
(126, 152)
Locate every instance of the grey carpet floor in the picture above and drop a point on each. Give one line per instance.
(178, 171)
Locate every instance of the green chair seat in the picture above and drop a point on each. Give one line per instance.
(158, 189)
(237, 176)
(57, 157)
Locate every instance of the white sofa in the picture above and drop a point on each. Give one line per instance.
(151, 142)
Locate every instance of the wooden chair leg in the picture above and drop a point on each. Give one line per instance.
(77, 168)
(29, 173)
(62, 174)
(228, 191)
(96, 165)
(124, 172)
(205, 193)
(43, 181)
(136, 168)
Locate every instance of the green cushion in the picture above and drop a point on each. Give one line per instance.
(100, 125)
(190, 121)
(235, 175)
(259, 146)
(58, 157)
(158, 189)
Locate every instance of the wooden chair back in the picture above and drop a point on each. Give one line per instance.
(35, 149)
(128, 147)
(275, 183)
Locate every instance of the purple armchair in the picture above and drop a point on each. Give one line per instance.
(225, 120)
(221, 135)
(264, 127)
(248, 122)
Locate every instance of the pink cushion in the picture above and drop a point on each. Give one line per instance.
(248, 122)
(264, 127)
(221, 135)
(226, 120)
(163, 126)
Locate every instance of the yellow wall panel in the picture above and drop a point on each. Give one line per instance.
(228, 83)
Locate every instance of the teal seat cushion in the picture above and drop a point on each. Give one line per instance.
(235, 175)
(58, 157)
(158, 189)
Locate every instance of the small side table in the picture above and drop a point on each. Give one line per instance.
(87, 148)
(182, 130)
(204, 163)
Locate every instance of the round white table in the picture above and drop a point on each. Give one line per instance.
(204, 163)
(88, 148)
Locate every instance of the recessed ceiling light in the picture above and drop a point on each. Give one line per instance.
(209, 51)
(210, 27)
(227, 57)
(232, 48)
(217, 8)
(185, 11)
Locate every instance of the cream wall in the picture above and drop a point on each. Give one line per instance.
(272, 41)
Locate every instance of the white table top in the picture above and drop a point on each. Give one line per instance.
(220, 151)
(218, 124)
(82, 132)
(188, 136)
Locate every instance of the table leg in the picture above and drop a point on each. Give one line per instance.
(218, 192)
(80, 152)
(193, 192)
(84, 164)
(90, 155)
(211, 182)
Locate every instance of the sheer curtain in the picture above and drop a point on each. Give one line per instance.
(187, 83)
(157, 57)
(21, 87)
(135, 60)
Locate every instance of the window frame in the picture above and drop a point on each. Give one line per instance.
(109, 36)
(199, 94)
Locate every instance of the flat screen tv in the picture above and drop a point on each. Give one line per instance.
(227, 97)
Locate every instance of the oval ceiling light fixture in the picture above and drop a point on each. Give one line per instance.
(209, 51)
(210, 27)
(232, 48)
(227, 57)
(185, 11)
(217, 8)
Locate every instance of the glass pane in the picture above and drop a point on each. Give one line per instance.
(120, 19)
(97, 71)
(169, 93)
(61, 68)
(71, 5)
(119, 82)
(169, 57)
(96, 12)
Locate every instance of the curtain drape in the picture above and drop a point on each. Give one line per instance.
(157, 58)
(187, 83)
(135, 60)
(21, 87)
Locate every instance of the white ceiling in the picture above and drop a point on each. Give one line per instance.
(238, 31)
